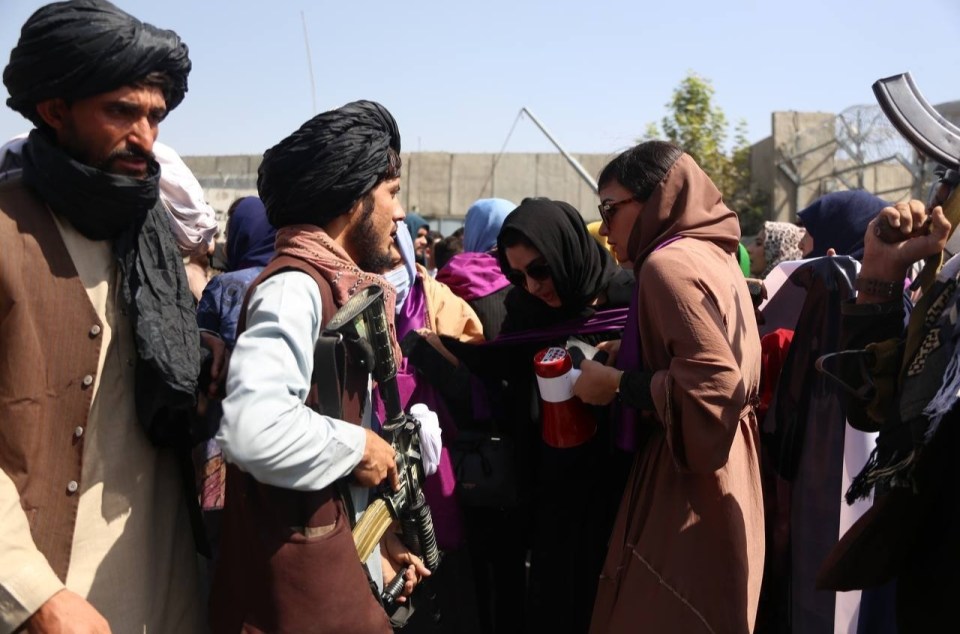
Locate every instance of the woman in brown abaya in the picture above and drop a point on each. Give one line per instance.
(686, 552)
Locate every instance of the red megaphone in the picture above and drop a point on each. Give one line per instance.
(565, 419)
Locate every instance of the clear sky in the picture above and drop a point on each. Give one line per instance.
(455, 74)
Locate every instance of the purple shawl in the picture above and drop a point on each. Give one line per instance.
(439, 488)
(472, 275)
(627, 419)
(606, 320)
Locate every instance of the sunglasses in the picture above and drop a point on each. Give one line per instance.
(538, 271)
(609, 209)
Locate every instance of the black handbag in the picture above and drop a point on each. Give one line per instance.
(484, 461)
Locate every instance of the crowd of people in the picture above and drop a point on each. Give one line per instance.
(749, 435)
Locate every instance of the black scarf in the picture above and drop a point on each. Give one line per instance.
(153, 287)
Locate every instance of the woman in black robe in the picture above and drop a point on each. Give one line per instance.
(564, 285)
(578, 277)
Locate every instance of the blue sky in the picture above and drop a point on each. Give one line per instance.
(456, 74)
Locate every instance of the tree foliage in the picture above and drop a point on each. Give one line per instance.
(699, 127)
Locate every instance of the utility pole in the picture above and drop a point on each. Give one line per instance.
(306, 41)
(573, 162)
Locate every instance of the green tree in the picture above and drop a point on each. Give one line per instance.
(735, 185)
(699, 127)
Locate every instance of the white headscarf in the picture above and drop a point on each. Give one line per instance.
(12, 149)
(192, 220)
(781, 244)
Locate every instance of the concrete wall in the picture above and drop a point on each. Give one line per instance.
(807, 139)
(890, 181)
(437, 185)
(762, 167)
(799, 163)
(442, 185)
(793, 167)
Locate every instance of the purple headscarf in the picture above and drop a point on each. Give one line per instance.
(473, 275)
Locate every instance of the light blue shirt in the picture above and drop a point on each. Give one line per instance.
(267, 430)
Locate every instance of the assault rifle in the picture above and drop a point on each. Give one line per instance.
(933, 136)
(362, 322)
(927, 130)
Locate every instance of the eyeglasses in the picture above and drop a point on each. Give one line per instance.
(538, 271)
(608, 209)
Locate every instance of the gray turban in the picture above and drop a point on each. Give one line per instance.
(319, 171)
(82, 48)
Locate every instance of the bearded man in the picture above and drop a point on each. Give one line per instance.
(100, 345)
(299, 477)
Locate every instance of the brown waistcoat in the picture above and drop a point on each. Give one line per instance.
(288, 561)
(49, 352)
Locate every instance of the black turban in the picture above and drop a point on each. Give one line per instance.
(82, 48)
(318, 172)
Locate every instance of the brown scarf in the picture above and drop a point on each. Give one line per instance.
(312, 245)
(686, 204)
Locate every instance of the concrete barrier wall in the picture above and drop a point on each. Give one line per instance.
(802, 161)
(437, 185)
(440, 186)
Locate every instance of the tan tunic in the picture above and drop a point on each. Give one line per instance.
(133, 555)
(447, 314)
(686, 553)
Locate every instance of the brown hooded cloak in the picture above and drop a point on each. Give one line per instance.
(686, 552)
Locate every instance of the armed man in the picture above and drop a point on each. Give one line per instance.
(298, 476)
(905, 385)
(100, 350)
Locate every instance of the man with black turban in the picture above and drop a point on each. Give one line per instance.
(98, 332)
(296, 431)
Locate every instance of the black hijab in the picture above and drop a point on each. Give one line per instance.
(581, 269)
(82, 48)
